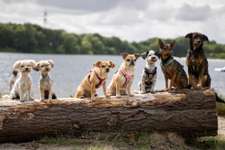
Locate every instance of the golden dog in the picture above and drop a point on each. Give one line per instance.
(94, 79)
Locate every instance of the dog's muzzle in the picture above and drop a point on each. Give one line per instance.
(47, 69)
(27, 69)
(154, 59)
(132, 63)
(107, 70)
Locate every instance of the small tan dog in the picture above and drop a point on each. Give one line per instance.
(46, 90)
(123, 79)
(94, 80)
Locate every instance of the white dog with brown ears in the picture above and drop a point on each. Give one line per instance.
(94, 80)
(22, 87)
(123, 79)
(46, 90)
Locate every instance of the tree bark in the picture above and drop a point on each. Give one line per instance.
(186, 112)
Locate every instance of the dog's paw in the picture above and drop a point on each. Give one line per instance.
(131, 95)
(141, 92)
(118, 96)
(93, 98)
(167, 89)
(107, 96)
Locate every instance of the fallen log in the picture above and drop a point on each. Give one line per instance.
(185, 112)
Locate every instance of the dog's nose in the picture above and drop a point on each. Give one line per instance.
(132, 62)
(27, 69)
(107, 70)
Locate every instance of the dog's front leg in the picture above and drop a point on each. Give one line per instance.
(201, 78)
(118, 89)
(170, 84)
(93, 90)
(153, 86)
(50, 93)
(104, 90)
(42, 93)
(173, 82)
(21, 93)
(129, 89)
(166, 82)
(29, 93)
(142, 85)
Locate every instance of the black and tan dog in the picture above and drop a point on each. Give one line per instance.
(173, 71)
(197, 62)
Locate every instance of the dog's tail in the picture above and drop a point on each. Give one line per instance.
(54, 96)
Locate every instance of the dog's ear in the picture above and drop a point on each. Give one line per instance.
(97, 64)
(51, 62)
(15, 72)
(137, 56)
(157, 53)
(112, 65)
(173, 44)
(37, 66)
(16, 65)
(189, 35)
(124, 55)
(144, 55)
(205, 38)
(32, 62)
(161, 44)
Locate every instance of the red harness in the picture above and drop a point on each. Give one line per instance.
(127, 77)
(101, 81)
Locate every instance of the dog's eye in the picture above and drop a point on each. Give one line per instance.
(103, 66)
(42, 66)
(128, 60)
(22, 66)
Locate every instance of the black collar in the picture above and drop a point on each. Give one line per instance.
(148, 72)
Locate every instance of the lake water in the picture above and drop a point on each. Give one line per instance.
(69, 70)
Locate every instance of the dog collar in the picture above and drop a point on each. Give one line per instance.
(166, 62)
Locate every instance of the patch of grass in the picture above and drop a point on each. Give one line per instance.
(63, 141)
(100, 141)
(209, 143)
(140, 141)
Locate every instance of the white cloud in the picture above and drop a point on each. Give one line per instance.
(194, 13)
(129, 19)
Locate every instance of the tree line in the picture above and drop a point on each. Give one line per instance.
(31, 38)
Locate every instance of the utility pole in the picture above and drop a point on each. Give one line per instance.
(45, 18)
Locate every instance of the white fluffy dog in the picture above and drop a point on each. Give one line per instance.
(45, 66)
(149, 74)
(22, 86)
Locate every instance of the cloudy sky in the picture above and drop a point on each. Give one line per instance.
(133, 20)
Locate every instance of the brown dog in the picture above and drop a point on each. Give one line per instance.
(173, 71)
(123, 79)
(94, 79)
(197, 62)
